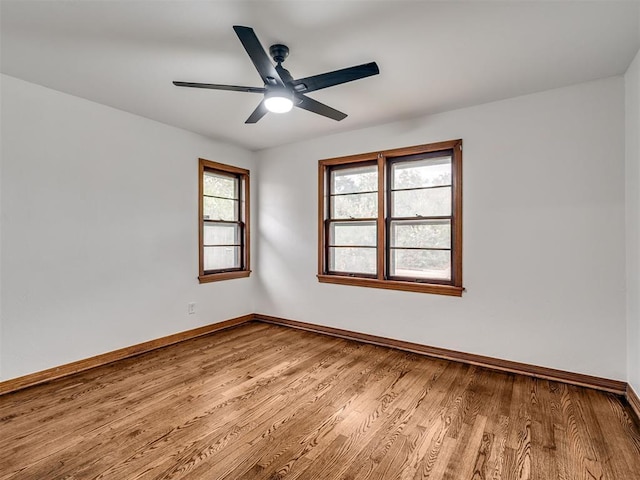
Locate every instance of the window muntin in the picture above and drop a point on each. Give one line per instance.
(224, 231)
(393, 219)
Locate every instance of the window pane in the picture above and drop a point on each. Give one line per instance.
(421, 173)
(219, 258)
(220, 185)
(421, 234)
(221, 234)
(352, 180)
(352, 260)
(220, 209)
(353, 233)
(426, 203)
(360, 205)
(432, 264)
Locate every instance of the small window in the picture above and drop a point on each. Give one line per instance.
(393, 219)
(223, 222)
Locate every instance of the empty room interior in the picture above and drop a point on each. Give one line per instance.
(319, 240)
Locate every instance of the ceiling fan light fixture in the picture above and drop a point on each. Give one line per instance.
(278, 101)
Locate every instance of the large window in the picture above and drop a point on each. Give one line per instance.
(393, 219)
(223, 221)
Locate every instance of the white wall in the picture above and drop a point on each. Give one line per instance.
(99, 230)
(544, 233)
(632, 201)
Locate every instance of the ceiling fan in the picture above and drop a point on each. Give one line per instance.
(281, 92)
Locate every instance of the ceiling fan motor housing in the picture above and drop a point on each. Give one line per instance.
(279, 52)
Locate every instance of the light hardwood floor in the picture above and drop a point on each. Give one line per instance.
(266, 402)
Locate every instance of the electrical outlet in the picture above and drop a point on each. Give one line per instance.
(191, 308)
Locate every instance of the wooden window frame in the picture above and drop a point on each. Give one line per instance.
(384, 160)
(244, 221)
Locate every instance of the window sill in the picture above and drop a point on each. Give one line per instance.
(216, 277)
(393, 285)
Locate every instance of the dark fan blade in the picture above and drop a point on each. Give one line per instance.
(258, 56)
(215, 86)
(314, 106)
(257, 114)
(337, 77)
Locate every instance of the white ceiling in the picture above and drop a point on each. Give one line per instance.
(433, 56)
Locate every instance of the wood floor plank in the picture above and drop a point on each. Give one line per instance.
(267, 402)
(467, 449)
